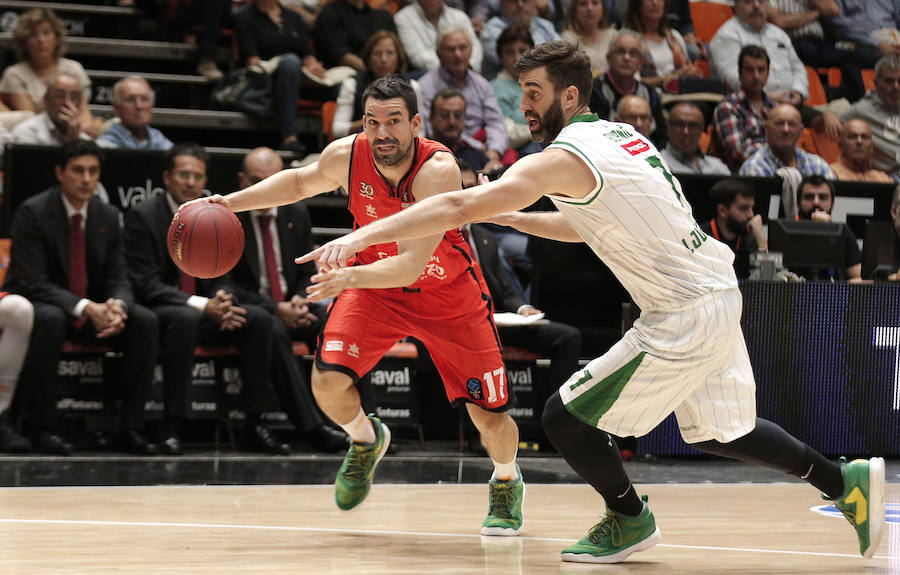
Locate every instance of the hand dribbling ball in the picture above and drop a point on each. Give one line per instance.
(205, 240)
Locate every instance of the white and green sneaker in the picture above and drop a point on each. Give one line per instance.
(862, 502)
(505, 507)
(354, 478)
(615, 538)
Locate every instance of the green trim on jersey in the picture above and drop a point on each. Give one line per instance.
(590, 406)
(584, 118)
(592, 166)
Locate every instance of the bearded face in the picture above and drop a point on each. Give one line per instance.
(544, 128)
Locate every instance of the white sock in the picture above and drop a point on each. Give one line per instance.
(504, 471)
(360, 429)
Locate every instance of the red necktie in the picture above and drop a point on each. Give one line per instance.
(77, 265)
(271, 264)
(187, 283)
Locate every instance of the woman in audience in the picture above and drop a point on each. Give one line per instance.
(665, 53)
(383, 55)
(266, 30)
(586, 27)
(511, 45)
(39, 43)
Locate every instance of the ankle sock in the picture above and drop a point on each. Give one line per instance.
(360, 429)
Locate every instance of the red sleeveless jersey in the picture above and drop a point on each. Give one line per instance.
(372, 197)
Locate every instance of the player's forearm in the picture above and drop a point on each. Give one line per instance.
(550, 225)
(392, 272)
(428, 217)
(279, 189)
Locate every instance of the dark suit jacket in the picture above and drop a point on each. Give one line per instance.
(152, 272)
(39, 267)
(295, 238)
(504, 295)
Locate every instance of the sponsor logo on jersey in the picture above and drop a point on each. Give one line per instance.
(434, 269)
(353, 350)
(334, 345)
(370, 211)
(891, 511)
(636, 147)
(366, 190)
(473, 387)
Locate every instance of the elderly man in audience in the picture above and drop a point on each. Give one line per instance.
(636, 111)
(783, 130)
(513, 12)
(132, 101)
(625, 59)
(417, 25)
(683, 153)
(881, 109)
(485, 127)
(60, 121)
(787, 79)
(855, 161)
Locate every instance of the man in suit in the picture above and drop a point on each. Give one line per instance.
(193, 311)
(67, 258)
(267, 276)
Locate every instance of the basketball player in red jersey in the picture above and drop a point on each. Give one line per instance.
(430, 288)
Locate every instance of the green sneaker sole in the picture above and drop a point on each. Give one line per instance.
(876, 505)
(587, 557)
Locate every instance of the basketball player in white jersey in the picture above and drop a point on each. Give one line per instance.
(685, 354)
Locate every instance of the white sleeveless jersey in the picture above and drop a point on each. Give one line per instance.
(638, 221)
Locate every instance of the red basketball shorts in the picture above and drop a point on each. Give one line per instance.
(453, 321)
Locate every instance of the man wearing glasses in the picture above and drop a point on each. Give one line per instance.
(683, 154)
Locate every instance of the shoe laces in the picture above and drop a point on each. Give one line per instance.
(501, 500)
(608, 527)
(358, 462)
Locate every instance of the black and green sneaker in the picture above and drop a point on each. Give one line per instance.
(354, 478)
(615, 538)
(505, 507)
(862, 502)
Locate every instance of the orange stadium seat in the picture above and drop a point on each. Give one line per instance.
(817, 94)
(708, 16)
(868, 75)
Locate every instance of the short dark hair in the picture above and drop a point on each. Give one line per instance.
(448, 93)
(566, 64)
(186, 149)
(725, 192)
(512, 34)
(76, 148)
(390, 87)
(752, 51)
(815, 180)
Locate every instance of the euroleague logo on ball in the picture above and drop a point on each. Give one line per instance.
(177, 235)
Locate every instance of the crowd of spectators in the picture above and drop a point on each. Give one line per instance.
(460, 58)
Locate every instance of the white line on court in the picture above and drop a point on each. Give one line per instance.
(387, 532)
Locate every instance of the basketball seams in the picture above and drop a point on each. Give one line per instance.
(218, 246)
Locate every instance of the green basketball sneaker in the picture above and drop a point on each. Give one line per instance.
(862, 502)
(615, 538)
(355, 475)
(505, 510)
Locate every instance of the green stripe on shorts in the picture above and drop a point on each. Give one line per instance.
(590, 406)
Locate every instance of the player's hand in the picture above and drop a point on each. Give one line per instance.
(333, 255)
(329, 284)
(213, 199)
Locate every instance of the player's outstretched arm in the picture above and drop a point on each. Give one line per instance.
(550, 225)
(550, 171)
(293, 185)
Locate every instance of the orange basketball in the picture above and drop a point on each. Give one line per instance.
(205, 240)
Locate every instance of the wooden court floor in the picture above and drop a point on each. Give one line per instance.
(415, 529)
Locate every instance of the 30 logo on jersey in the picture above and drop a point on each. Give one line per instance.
(366, 190)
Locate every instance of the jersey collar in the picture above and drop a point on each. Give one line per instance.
(584, 118)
